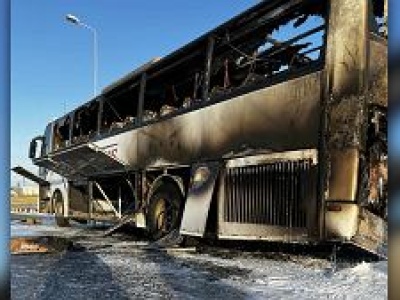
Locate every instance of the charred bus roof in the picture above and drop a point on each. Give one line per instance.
(273, 10)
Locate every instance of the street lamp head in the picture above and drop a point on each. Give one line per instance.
(72, 19)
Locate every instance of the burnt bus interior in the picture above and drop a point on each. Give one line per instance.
(85, 122)
(174, 86)
(62, 131)
(120, 108)
(375, 168)
(261, 49)
(267, 48)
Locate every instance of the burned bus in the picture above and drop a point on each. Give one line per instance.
(270, 127)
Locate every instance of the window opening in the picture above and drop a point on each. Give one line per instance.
(61, 132)
(174, 88)
(120, 108)
(285, 44)
(85, 122)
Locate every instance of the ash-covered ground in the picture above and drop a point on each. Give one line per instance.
(124, 267)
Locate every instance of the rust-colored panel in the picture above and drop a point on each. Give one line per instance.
(343, 177)
(378, 73)
(372, 233)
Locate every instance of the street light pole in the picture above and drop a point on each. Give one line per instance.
(74, 20)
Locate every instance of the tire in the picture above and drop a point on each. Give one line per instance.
(58, 203)
(164, 211)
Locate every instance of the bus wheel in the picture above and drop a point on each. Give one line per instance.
(58, 202)
(164, 211)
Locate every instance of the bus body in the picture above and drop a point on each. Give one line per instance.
(271, 126)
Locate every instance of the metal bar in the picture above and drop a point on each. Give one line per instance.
(282, 192)
(233, 199)
(233, 193)
(280, 212)
(106, 197)
(143, 81)
(257, 195)
(284, 45)
(119, 201)
(138, 190)
(281, 198)
(286, 191)
(269, 191)
(172, 66)
(254, 211)
(273, 193)
(240, 192)
(307, 190)
(291, 194)
(287, 184)
(319, 48)
(247, 193)
(90, 200)
(280, 202)
(264, 195)
(302, 191)
(252, 197)
(296, 191)
(207, 77)
(99, 117)
(240, 195)
(227, 198)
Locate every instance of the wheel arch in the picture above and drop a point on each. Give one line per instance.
(60, 219)
(165, 179)
(62, 187)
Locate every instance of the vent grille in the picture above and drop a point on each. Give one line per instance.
(270, 194)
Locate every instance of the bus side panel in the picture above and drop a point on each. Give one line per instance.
(121, 146)
(172, 141)
(277, 118)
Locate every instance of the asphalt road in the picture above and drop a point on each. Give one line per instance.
(122, 267)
